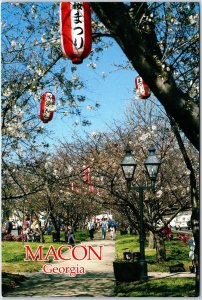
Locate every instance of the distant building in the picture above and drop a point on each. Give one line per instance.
(181, 219)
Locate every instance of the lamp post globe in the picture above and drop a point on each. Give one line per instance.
(152, 164)
(128, 164)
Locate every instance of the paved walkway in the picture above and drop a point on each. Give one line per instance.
(98, 281)
(153, 275)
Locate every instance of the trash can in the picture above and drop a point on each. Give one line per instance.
(56, 237)
(126, 271)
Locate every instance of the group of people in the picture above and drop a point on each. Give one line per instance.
(70, 236)
(26, 229)
(104, 227)
(22, 227)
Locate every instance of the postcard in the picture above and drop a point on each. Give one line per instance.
(100, 149)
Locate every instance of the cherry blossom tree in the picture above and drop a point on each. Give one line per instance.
(191, 161)
(161, 42)
(103, 152)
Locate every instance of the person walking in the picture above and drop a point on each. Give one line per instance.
(104, 226)
(71, 238)
(191, 254)
(91, 229)
(19, 227)
(112, 232)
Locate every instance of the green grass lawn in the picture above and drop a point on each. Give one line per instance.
(167, 287)
(13, 253)
(176, 252)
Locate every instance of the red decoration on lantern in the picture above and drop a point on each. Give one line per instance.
(86, 173)
(142, 89)
(76, 31)
(47, 107)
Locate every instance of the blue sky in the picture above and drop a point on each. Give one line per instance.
(112, 92)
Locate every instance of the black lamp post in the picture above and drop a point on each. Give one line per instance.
(152, 164)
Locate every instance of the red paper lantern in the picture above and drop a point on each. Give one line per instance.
(87, 178)
(142, 89)
(47, 107)
(76, 31)
(86, 173)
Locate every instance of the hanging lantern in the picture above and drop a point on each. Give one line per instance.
(86, 173)
(88, 178)
(142, 89)
(75, 28)
(47, 107)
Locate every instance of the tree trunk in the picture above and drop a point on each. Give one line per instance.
(195, 229)
(152, 241)
(160, 247)
(55, 223)
(41, 235)
(194, 202)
